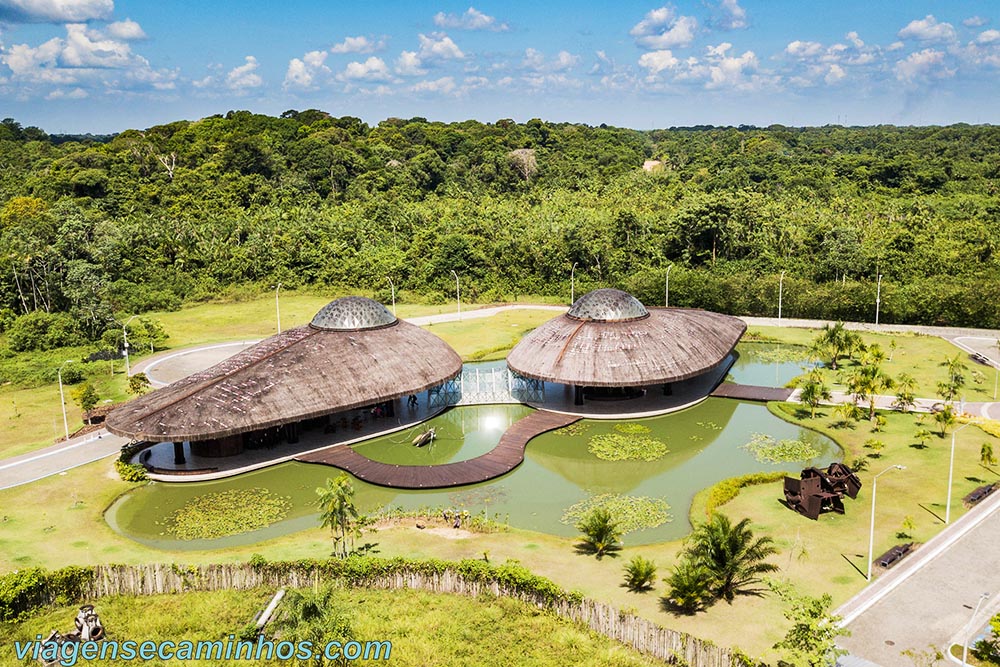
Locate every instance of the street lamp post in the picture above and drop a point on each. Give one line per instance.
(393, 288)
(666, 289)
(951, 472)
(878, 297)
(966, 636)
(277, 306)
(871, 533)
(62, 397)
(458, 294)
(572, 284)
(128, 368)
(781, 289)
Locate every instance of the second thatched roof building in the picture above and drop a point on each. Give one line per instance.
(609, 342)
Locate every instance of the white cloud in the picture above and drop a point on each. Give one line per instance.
(801, 49)
(244, 77)
(925, 64)
(443, 86)
(126, 30)
(472, 19)
(662, 29)
(74, 94)
(87, 48)
(928, 29)
(854, 39)
(657, 61)
(988, 37)
(359, 44)
(535, 60)
(54, 11)
(834, 74)
(409, 64)
(733, 16)
(373, 69)
(975, 22)
(304, 72)
(440, 47)
(726, 71)
(895, 46)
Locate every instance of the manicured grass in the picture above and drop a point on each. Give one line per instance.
(490, 338)
(424, 628)
(916, 354)
(32, 418)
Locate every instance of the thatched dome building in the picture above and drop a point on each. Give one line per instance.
(354, 353)
(608, 339)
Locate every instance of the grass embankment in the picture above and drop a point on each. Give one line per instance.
(424, 628)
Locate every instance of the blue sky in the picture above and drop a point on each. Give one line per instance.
(108, 65)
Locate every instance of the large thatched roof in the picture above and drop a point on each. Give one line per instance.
(609, 339)
(354, 353)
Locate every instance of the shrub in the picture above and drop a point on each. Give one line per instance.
(600, 534)
(39, 330)
(639, 574)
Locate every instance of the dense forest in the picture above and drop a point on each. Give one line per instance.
(97, 227)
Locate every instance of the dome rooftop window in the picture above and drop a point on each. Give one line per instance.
(353, 313)
(607, 305)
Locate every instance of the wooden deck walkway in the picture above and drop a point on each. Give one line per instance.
(507, 455)
(750, 392)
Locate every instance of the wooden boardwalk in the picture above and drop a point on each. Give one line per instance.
(507, 455)
(750, 392)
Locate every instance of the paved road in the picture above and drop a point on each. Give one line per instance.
(58, 458)
(928, 599)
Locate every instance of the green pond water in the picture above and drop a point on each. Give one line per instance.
(769, 364)
(558, 471)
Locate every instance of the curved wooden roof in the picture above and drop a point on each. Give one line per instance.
(668, 345)
(298, 374)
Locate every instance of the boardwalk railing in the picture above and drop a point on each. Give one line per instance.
(641, 634)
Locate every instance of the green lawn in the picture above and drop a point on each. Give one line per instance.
(916, 354)
(424, 628)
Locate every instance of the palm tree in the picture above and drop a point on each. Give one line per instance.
(601, 535)
(814, 391)
(731, 553)
(690, 585)
(986, 456)
(950, 388)
(831, 343)
(945, 417)
(337, 511)
(315, 615)
(905, 397)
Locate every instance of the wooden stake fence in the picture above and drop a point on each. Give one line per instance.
(643, 635)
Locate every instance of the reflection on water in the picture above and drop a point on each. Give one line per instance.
(769, 364)
(558, 471)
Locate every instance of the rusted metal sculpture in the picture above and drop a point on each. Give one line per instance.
(821, 490)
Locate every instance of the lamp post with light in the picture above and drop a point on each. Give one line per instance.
(966, 637)
(128, 367)
(572, 284)
(458, 294)
(871, 533)
(951, 473)
(392, 286)
(62, 397)
(781, 289)
(666, 289)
